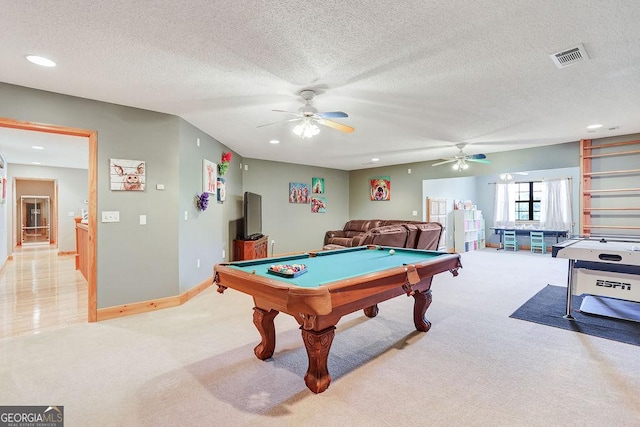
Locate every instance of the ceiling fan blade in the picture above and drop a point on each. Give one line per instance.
(444, 162)
(288, 112)
(332, 114)
(478, 160)
(336, 125)
(477, 156)
(281, 121)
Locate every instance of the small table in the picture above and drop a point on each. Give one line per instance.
(526, 231)
(336, 283)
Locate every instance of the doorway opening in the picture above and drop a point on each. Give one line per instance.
(35, 218)
(92, 139)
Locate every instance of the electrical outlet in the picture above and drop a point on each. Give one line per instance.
(414, 213)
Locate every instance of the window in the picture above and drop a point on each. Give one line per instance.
(528, 200)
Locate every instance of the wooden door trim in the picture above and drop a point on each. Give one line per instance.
(92, 135)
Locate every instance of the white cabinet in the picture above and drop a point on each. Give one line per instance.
(468, 230)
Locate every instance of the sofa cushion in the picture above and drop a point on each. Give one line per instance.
(389, 235)
(361, 225)
(428, 235)
(412, 235)
(346, 242)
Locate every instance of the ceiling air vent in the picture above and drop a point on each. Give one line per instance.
(569, 56)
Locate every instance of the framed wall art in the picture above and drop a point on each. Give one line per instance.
(209, 177)
(318, 204)
(222, 189)
(127, 175)
(317, 185)
(380, 188)
(299, 193)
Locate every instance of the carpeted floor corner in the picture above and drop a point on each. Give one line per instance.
(548, 307)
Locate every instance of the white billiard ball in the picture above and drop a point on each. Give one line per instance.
(392, 251)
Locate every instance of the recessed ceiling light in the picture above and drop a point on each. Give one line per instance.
(36, 163)
(37, 147)
(596, 126)
(375, 159)
(274, 141)
(39, 60)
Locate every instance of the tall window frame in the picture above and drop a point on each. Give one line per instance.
(527, 203)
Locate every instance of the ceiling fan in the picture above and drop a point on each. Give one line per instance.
(310, 118)
(460, 160)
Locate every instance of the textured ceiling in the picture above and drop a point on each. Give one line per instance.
(416, 77)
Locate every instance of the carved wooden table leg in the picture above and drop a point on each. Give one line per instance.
(264, 323)
(371, 311)
(318, 345)
(422, 301)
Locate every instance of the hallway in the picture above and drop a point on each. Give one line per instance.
(40, 290)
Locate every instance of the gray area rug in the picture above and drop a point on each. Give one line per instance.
(548, 307)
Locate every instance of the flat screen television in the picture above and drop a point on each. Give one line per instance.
(252, 222)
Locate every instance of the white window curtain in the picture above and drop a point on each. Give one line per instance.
(505, 205)
(555, 205)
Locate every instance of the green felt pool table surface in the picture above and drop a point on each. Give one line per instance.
(327, 267)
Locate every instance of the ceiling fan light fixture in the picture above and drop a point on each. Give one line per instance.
(460, 165)
(306, 129)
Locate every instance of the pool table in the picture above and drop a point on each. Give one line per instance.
(335, 283)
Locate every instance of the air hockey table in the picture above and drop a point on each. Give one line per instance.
(607, 271)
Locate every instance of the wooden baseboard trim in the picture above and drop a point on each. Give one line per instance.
(152, 305)
(66, 253)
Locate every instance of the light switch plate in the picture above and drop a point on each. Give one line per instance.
(143, 220)
(110, 216)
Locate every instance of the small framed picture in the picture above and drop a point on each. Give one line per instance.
(317, 185)
(127, 175)
(299, 193)
(318, 204)
(209, 177)
(380, 188)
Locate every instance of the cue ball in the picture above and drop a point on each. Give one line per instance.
(392, 251)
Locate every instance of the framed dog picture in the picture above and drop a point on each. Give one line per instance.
(380, 188)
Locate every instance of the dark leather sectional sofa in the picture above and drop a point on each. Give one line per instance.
(397, 233)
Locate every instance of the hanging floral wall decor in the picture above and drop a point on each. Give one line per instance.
(224, 163)
(202, 201)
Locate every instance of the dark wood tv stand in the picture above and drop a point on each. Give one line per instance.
(250, 249)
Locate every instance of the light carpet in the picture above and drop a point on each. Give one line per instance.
(194, 364)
